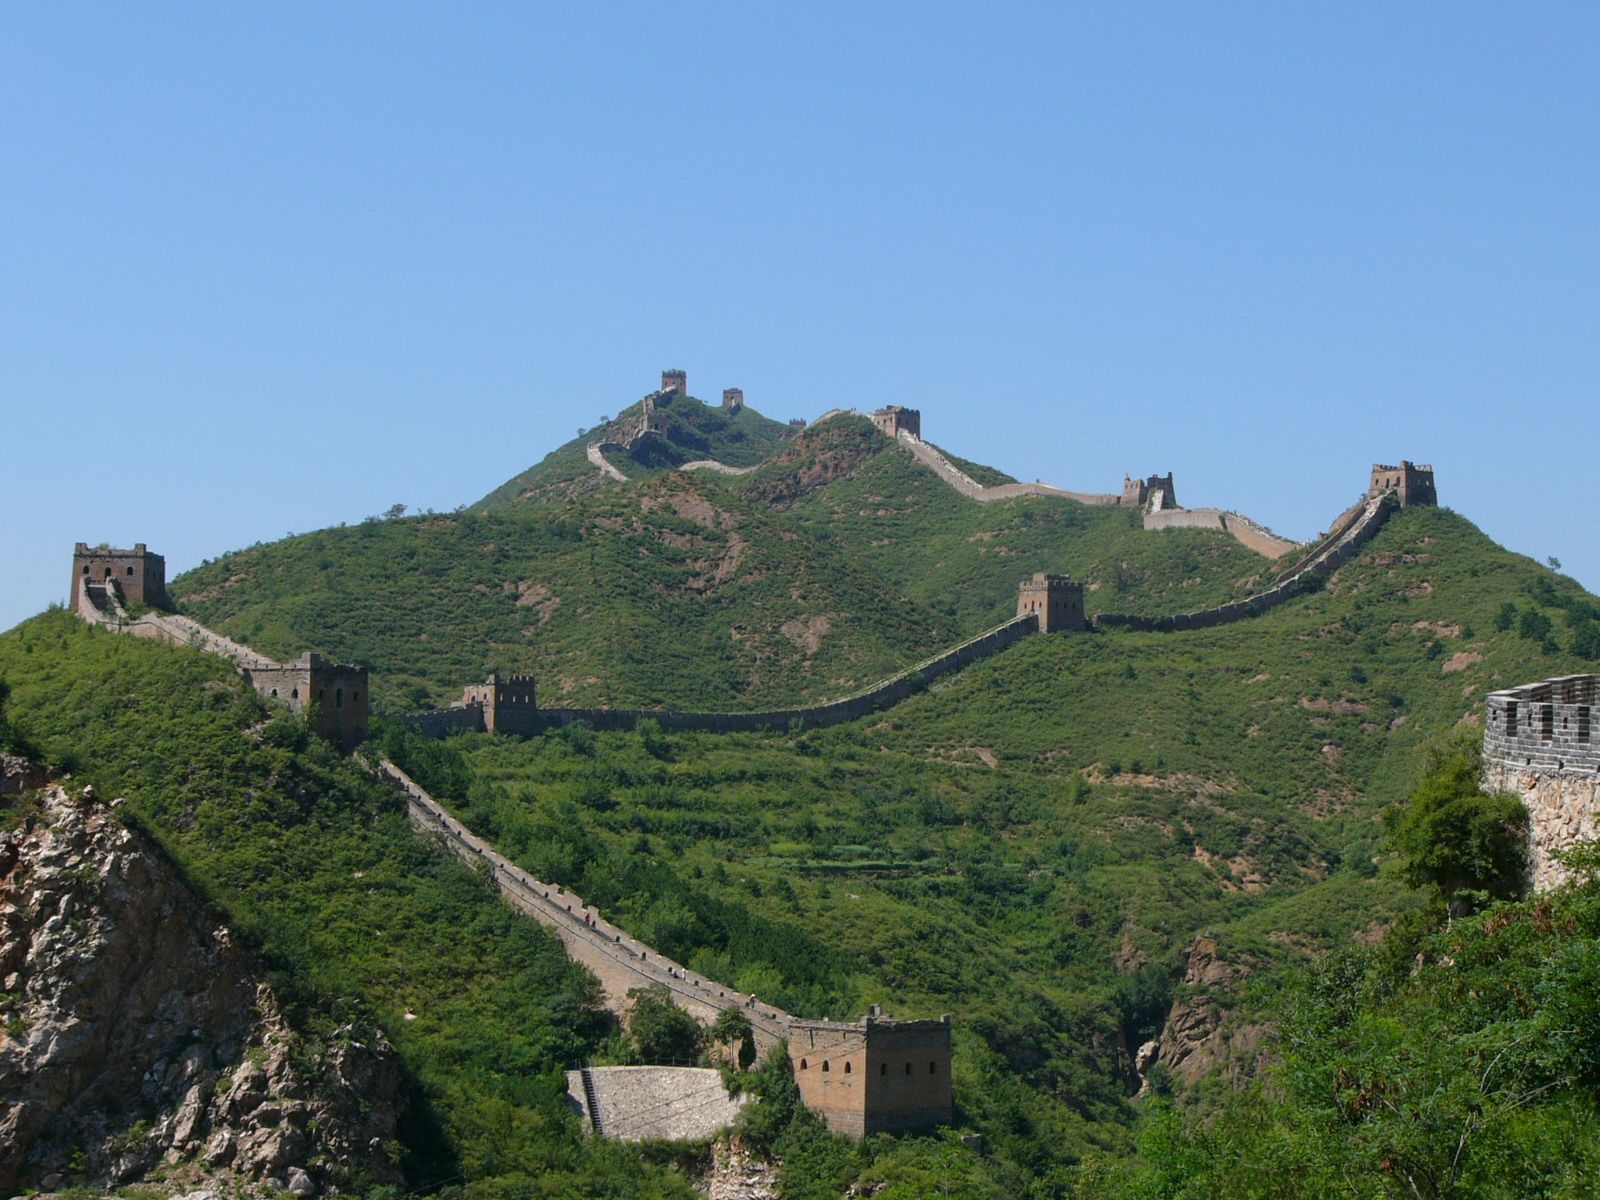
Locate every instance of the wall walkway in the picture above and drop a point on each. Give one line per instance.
(595, 451)
(619, 961)
(1328, 557)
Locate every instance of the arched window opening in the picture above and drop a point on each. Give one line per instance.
(130, 570)
(847, 1068)
(355, 697)
(802, 1064)
(883, 1068)
(85, 568)
(338, 697)
(294, 694)
(274, 693)
(933, 1068)
(908, 1068)
(825, 1065)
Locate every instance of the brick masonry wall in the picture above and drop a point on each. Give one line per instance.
(641, 1103)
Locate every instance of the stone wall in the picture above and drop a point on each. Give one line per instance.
(889, 691)
(1250, 534)
(139, 574)
(635, 1104)
(1541, 742)
(969, 487)
(619, 961)
(876, 1075)
(1328, 559)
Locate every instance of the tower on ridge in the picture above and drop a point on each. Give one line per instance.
(1055, 600)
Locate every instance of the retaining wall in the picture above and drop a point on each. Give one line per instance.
(1319, 566)
(634, 1104)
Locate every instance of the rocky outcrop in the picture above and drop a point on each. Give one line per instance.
(1197, 1039)
(18, 775)
(738, 1173)
(136, 1035)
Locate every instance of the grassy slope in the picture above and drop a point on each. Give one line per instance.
(847, 482)
(1014, 844)
(670, 591)
(315, 863)
(691, 430)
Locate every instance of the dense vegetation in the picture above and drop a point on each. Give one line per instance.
(314, 863)
(1069, 846)
(1455, 1058)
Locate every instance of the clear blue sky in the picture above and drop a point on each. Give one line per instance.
(269, 267)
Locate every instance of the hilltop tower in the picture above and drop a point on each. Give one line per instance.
(1155, 491)
(137, 574)
(732, 400)
(1054, 599)
(675, 381)
(894, 420)
(878, 1075)
(1411, 482)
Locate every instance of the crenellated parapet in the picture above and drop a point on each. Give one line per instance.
(1411, 482)
(1541, 743)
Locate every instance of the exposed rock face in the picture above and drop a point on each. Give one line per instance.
(737, 1174)
(1194, 1041)
(135, 1032)
(18, 775)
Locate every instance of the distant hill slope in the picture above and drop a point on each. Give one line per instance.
(672, 590)
(689, 430)
(846, 481)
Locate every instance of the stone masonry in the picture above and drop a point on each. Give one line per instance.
(1541, 742)
(732, 400)
(877, 1075)
(1054, 600)
(675, 381)
(1411, 482)
(891, 421)
(138, 574)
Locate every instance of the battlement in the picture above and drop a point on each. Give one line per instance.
(1411, 482)
(1055, 601)
(675, 381)
(138, 574)
(895, 420)
(732, 400)
(874, 1075)
(510, 703)
(1154, 491)
(1550, 725)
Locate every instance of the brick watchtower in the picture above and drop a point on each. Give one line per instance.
(1054, 599)
(675, 381)
(875, 1076)
(138, 574)
(1411, 482)
(894, 420)
(510, 703)
(732, 400)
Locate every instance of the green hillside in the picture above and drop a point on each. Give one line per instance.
(1032, 844)
(845, 481)
(690, 430)
(669, 591)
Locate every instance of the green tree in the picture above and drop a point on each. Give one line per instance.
(662, 1032)
(1454, 837)
(732, 1028)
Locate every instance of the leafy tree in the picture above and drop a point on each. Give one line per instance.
(663, 1032)
(1457, 839)
(732, 1028)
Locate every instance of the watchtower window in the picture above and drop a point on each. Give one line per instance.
(933, 1068)
(274, 693)
(1511, 719)
(847, 1068)
(86, 568)
(1547, 721)
(338, 697)
(294, 693)
(824, 1064)
(908, 1068)
(883, 1068)
(355, 697)
(802, 1064)
(1584, 715)
(130, 570)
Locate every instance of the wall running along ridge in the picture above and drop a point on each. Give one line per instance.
(1250, 534)
(1541, 742)
(619, 961)
(1328, 559)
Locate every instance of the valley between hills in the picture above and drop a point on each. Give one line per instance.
(1149, 875)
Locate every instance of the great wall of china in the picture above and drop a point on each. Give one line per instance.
(833, 1061)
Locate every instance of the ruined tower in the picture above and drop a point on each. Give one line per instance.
(1155, 491)
(1411, 482)
(1055, 600)
(894, 420)
(675, 381)
(336, 693)
(510, 703)
(137, 574)
(877, 1075)
(732, 400)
